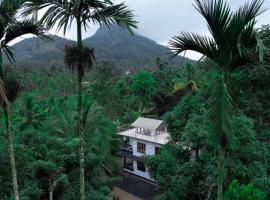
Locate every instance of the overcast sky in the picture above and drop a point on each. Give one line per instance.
(159, 20)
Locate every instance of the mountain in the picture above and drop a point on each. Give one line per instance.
(112, 44)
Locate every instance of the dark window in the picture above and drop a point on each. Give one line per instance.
(147, 132)
(157, 149)
(141, 166)
(141, 147)
(128, 164)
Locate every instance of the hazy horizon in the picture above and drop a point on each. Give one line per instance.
(160, 22)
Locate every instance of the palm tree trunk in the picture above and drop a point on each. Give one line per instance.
(220, 175)
(51, 195)
(10, 140)
(80, 117)
(11, 154)
(51, 188)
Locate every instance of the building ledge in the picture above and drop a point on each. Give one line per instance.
(158, 139)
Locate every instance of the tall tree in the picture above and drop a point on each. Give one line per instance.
(232, 45)
(63, 13)
(10, 29)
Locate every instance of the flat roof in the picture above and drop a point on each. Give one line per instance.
(147, 123)
(158, 139)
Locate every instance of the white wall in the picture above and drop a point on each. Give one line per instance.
(141, 173)
(150, 150)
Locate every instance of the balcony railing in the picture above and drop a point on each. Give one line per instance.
(162, 138)
(127, 149)
(129, 167)
(143, 132)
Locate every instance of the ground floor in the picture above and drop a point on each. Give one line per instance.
(134, 164)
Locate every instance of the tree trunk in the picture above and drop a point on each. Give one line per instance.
(80, 117)
(220, 175)
(9, 139)
(51, 194)
(52, 184)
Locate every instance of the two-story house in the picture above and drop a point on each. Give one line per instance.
(145, 138)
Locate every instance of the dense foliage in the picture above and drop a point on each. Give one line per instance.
(249, 192)
(44, 115)
(45, 140)
(46, 144)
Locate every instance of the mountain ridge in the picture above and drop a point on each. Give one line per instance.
(126, 51)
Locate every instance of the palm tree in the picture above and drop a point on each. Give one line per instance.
(232, 45)
(63, 13)
(10, 29)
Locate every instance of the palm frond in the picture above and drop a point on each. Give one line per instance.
(8, 10)
(20, 28)
(220, 110)
(56, 10)
(59, 13)
(217, 13)
(191, 41)
(118, 14)
(16, 29)
(8, 51)
(244, 20)
(62, 13)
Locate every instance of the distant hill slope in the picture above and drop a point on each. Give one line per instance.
(115, 45)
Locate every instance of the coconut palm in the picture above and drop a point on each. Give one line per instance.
(10, 29)
(232, 45)
(62, 13)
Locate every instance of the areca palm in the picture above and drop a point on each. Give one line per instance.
(62, 13)
(232, 45)
(10, 29)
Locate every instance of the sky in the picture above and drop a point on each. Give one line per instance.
(160, 20)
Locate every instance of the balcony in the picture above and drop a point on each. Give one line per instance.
(143, 132)
(159, 139)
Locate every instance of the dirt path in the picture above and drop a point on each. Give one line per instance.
(123, 195)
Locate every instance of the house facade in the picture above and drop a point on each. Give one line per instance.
(144, 138)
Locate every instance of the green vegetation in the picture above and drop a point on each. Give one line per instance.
(249, 192)
(233, 45)
(10, 30)
(61, 129)
(78, 58)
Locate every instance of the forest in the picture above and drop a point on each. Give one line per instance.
(58, 125)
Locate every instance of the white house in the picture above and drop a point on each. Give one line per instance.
(145, 138)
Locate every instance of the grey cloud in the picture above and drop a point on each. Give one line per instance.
(160, 20)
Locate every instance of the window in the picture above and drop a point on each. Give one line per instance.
(147, 132)
(128, 164)
(157, 149)
(141, 147)
(141, 166)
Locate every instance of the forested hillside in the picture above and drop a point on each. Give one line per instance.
(126, 51)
